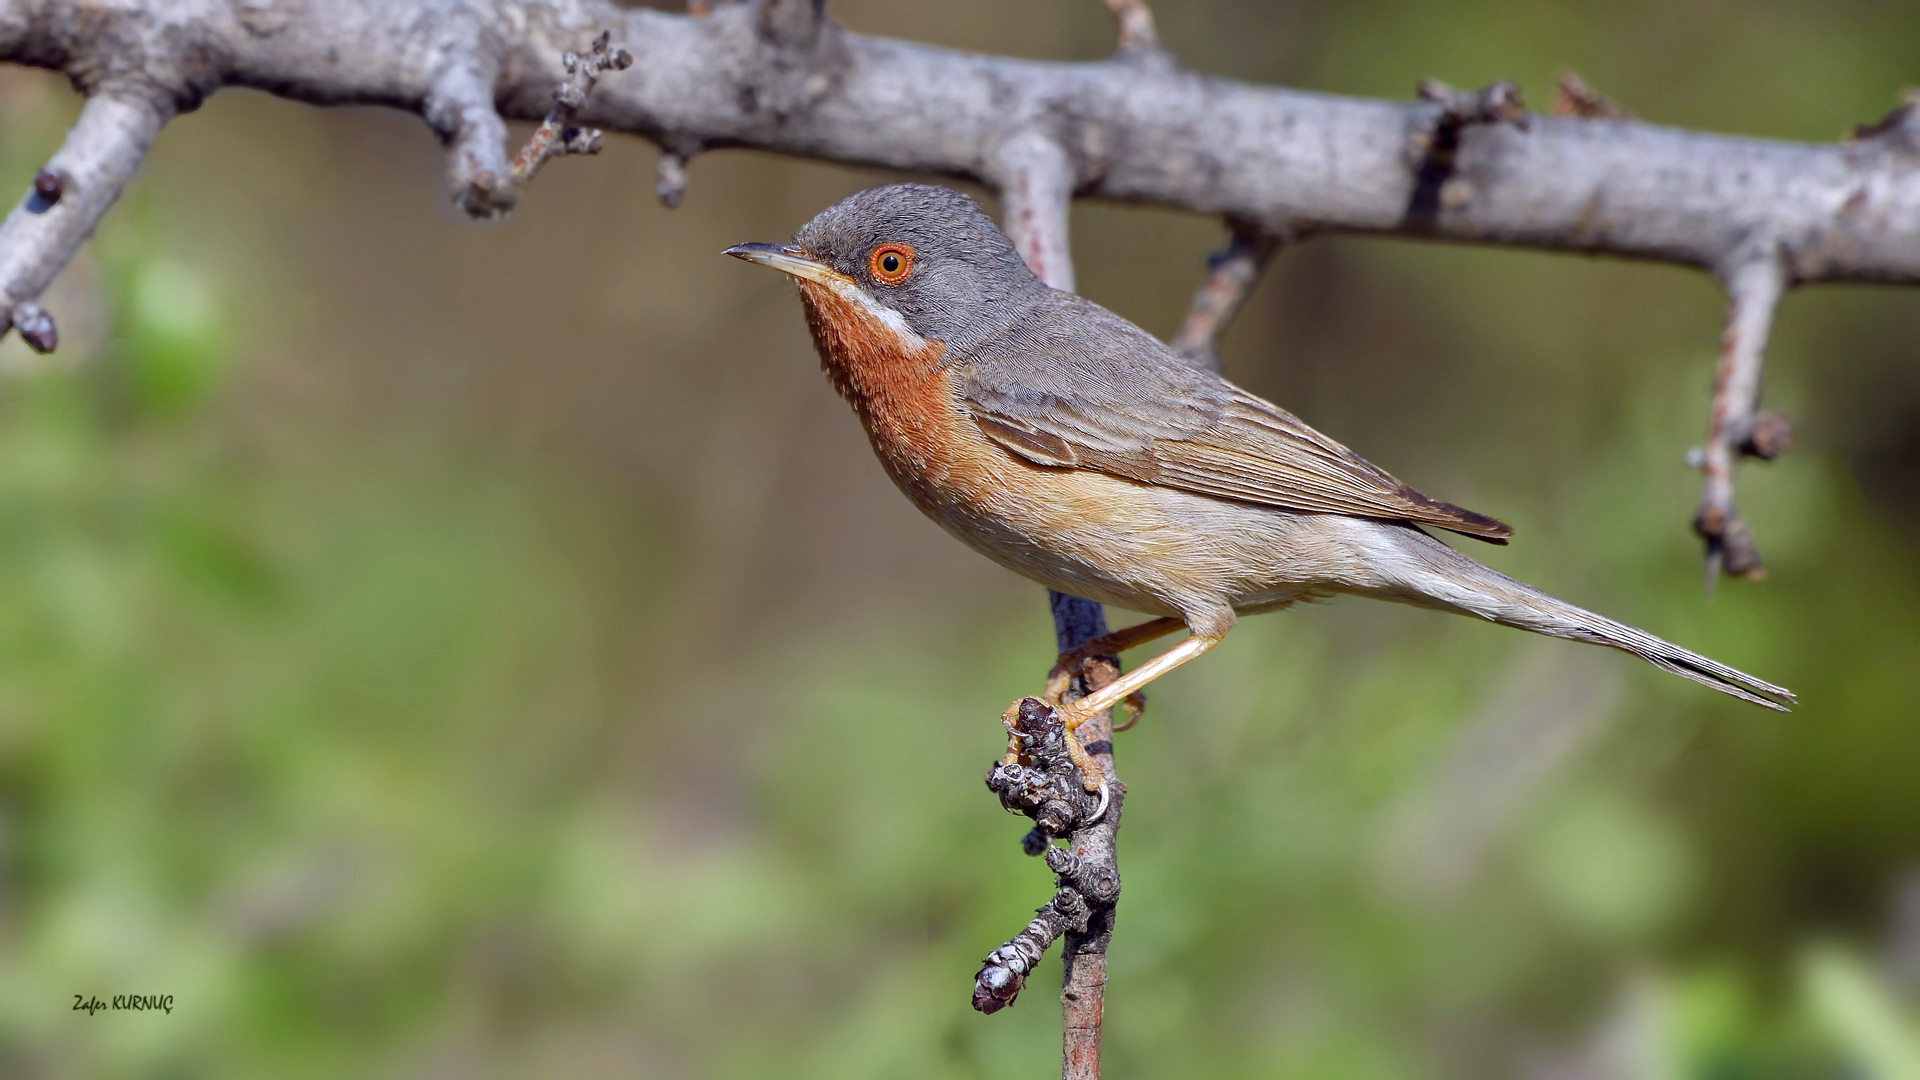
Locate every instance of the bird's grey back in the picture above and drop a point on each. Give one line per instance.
(1067, 359)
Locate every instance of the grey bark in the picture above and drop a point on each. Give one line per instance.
(1138, 127)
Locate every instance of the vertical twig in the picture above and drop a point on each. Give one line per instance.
(1036, 180)
(1754, 286)
(1092, 865)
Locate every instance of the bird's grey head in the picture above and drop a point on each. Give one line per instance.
(924, 252)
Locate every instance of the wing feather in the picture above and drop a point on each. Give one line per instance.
(1115, 400)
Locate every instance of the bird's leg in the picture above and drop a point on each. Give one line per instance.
(1076, 713)
(1091, 775)
(1070, 663)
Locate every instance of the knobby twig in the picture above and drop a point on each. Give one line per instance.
(1035, 178)
(485, 184)
(1044, 785)
(556, 134)
(1090, 866)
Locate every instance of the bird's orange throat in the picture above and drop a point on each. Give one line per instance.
(896, 384)
(871, 355)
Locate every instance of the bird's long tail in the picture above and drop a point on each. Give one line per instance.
(1435, 575)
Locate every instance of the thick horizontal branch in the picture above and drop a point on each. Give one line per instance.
(1136, 127)
(778, 75)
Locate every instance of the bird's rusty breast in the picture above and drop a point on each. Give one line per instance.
(903, 394)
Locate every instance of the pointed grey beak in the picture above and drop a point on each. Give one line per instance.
(789, 259)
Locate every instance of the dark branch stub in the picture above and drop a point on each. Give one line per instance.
(1573, 97)
(36, 327)
(1499, 103)
(48, 186)
(1496, 103)
(1899, 128)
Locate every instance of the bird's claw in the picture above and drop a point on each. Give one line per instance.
(1010, 719)
(1101, 810)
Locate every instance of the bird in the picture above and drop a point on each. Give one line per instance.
(1071, 446)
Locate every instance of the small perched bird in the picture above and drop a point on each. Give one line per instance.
(1069, 445)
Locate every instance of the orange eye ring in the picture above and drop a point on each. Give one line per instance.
(890, 264)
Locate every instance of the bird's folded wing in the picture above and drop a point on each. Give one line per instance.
(1185, 429)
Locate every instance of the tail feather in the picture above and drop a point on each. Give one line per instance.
(1448, 579)
(1666, 656)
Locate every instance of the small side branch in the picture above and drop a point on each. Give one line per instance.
(1036, 181)
(1232, 272)
(556, 134)
(461, 107)
(1043, 784)
(1133, 21)
(103, 150)
(1573, 97)
(1754, 287)
(1003, 974)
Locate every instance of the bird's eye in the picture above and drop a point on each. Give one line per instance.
(890, 263)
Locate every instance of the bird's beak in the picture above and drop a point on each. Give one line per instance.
(789, 259)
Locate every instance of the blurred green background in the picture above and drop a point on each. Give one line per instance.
(440, 650)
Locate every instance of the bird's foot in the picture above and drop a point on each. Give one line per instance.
(1021, 742)
(1091, 776)
(1081, 665)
